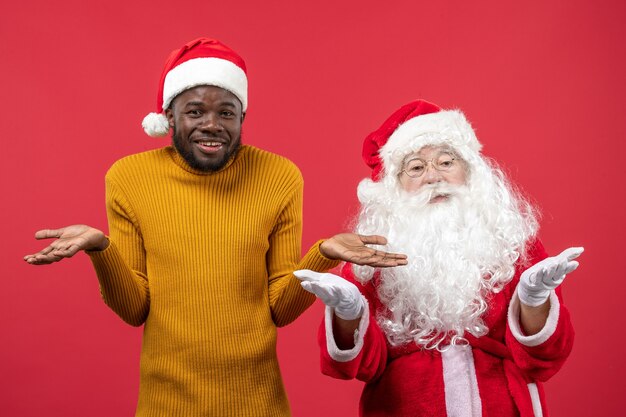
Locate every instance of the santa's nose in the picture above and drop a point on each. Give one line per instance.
(432, 176)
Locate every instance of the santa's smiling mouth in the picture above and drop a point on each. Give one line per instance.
(439, 198)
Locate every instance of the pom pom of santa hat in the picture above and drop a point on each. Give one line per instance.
(413, 126)
(202, 61)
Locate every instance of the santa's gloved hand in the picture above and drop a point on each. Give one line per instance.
(537, 281)
(334, 291)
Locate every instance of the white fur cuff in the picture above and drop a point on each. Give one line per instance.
(544, 334)
(359, 335)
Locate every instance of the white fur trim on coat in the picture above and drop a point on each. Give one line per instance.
(544, 334)
(535, 399)
(460, 382)
(359, 335)
(206, 71)
(446, 127)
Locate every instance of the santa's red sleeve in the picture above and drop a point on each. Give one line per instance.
(541, 355)
(367, 360)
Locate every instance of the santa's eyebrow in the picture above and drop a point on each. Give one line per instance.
(409, 159)
(447, 149)
(440, 150)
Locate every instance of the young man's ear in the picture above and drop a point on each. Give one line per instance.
(243, 116)
(170, 116)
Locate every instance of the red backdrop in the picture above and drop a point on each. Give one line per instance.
(542, 83)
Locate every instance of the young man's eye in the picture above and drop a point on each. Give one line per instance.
(227, 113)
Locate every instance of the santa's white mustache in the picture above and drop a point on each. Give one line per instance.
(428, 192)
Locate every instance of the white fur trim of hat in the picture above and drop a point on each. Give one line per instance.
(206, 71)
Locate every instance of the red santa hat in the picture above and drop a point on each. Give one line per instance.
(411, 127)
(202, 61)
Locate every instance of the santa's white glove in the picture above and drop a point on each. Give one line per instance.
(537, 281)
(334, 291)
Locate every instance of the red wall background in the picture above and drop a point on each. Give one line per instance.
(542, 82)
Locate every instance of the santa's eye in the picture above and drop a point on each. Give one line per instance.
(415, 168)
(445, 162)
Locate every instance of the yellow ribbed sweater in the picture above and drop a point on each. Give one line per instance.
(205, 261)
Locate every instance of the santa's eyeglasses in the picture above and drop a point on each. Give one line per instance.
(443, 162)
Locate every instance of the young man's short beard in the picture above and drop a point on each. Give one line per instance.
(191, 160)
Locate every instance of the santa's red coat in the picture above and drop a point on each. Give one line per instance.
(499, 374)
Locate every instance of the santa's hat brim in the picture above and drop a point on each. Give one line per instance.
(446, 127)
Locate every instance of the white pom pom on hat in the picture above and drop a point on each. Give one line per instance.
(156, 125)
(202, 61)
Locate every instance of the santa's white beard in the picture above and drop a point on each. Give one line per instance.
(457, 257)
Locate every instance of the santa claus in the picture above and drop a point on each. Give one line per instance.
(475, 322)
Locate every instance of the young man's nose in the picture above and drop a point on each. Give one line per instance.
(211, 123)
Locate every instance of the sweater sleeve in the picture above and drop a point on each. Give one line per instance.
(540, 356)
(368, 359)
(287, 298)
(121, 268)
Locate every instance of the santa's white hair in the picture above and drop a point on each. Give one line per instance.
(460, 250)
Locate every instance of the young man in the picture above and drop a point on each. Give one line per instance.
(475, 322)
(203, 238)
